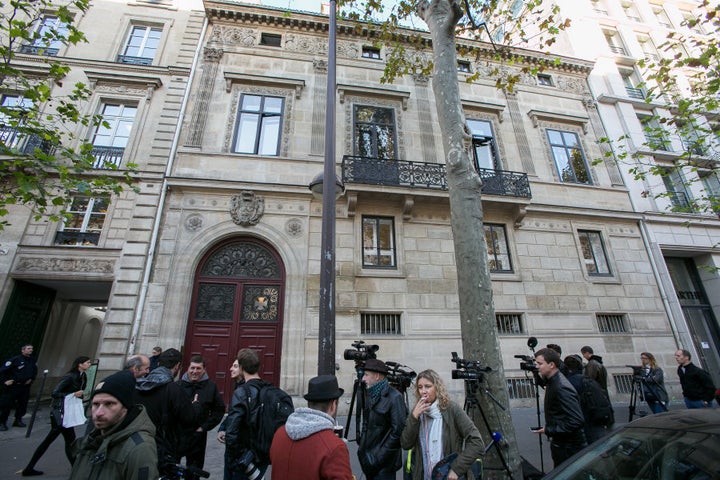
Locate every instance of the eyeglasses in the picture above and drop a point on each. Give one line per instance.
(644, 358)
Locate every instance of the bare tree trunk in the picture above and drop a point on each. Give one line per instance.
(477, 314)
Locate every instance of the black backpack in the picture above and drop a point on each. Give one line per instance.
(595, 403)
(270, 410)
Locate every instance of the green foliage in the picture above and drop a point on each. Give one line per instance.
(43, 163)
(503, 26)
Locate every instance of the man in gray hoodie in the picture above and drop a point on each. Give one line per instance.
(307, 442)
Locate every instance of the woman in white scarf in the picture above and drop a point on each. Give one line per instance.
(437, 427)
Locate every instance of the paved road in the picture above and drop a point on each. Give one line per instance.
(15, 449)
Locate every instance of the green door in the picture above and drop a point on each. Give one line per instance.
(25, 318)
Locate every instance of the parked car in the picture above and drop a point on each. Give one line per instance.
(677, 445)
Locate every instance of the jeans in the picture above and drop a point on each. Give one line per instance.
(657, 407)
(695, 403)
(562, 451)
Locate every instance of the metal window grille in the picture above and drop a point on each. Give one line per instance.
(520, 388)
(270, 39)
(509, 323)
(611, 323)
(380, 324)
(623, 382)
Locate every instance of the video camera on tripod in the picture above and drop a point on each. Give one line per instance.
(399, 376)
(638, 373)
(361, 351)
(468, 369)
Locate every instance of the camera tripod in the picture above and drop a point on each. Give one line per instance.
(472, 390)
(357, 400)
(637, 391)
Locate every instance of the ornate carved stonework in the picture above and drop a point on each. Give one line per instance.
(246, 208)
(245, 37)
(212, 54)
(320, 66)
(305, 44)
(242, 259)
(347, 49)
(572, 85)
(294, 227)
(88, 265)
(194, 222)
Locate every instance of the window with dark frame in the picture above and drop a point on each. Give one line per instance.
(141, 45)
(371, 52)
(259, 125)
(497, 247)
(378, 237)
(463, 66)
(270, 39)
(11, 119)
(509, 323)
(593, 252)
(375, 132)
(568, 156)
(83, 227)
(484, 145)
(611, 322)
(111, 138)
(380, 324)
(520, 388)
(545, 80)
(40, 45)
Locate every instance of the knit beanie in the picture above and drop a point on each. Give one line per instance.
(120, 385)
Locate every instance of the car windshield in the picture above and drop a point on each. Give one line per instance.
(651, 454)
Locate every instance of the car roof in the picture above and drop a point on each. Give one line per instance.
(705, 420)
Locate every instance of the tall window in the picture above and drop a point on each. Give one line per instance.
(483, 144)
(375, 132)
(497, 246)
(593, 252)
(615, 43)
(711, 188)
(632, 84)
(675, 187)
(141, 45)
(378, 242)
(109, 142)
(569, 157)
(259, 123)
(10, 105)
(45, 41)
(87, 215)
(655, 135)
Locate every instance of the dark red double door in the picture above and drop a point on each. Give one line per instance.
(237, 303)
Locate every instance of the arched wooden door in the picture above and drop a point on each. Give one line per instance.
(237, 303)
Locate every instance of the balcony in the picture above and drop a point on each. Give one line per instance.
(13, 138)
(105, 156)
(39, 50)
(401, 173)
(72, 238)
(618, 50)
(635, 93)
(127, 59)
(680, 201)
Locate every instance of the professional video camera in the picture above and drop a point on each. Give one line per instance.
(400, 376)
(528, 363)
(361, 351)
(638, 373)
(468, 369)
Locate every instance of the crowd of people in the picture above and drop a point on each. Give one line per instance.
(145, 419)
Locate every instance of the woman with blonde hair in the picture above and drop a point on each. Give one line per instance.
(653, 384)
(437, 427)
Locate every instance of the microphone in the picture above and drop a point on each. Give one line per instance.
(532, 342)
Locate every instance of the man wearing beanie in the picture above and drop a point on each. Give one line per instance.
(122, 446)
(384, 416)
(306, 446)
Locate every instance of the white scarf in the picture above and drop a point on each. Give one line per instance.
(431, 438)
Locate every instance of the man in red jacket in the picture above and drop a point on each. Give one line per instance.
(306, 447)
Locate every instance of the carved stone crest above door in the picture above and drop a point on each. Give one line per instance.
(246, 208)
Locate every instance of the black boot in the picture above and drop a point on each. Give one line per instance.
(31, 472)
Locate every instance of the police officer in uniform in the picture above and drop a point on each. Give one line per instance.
(17, 374)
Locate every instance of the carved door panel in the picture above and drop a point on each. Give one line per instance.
(237, 303)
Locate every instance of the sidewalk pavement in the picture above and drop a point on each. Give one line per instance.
(16, 450)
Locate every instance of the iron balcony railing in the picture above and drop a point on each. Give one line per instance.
(39, 50)
(105, 156)
(402, 173)
(680, 200)
(618, 50)
(77, 238)
(635, 93)
(12, 138)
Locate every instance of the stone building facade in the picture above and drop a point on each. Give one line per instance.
(220, 248)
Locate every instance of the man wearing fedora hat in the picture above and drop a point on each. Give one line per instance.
(383, 422)
(306, 446)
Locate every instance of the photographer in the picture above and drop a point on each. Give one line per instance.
(653, 384)
(437, 427)
(383, 421)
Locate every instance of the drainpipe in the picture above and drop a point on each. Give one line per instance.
(161, 202)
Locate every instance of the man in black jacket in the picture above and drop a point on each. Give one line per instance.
(564, 419)
(197, 383)
(17, 374)
(697, 385)
(383, 422)
(168, 406)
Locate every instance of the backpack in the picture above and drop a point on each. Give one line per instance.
(595, 404)
(269, 411)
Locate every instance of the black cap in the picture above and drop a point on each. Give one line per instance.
(324, 387)
(120, 385)
(375, 365)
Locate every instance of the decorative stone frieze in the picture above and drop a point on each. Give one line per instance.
(246, 208)
(84, 265)
(294, 228)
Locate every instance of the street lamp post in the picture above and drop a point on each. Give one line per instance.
(326, 330)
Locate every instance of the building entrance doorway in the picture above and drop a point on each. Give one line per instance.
(237, 303)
